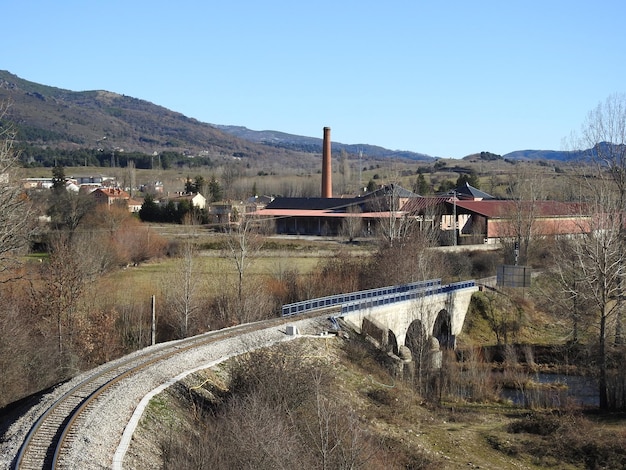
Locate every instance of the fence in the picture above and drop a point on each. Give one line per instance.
(374, 297)
(355, 306)
(372, 294)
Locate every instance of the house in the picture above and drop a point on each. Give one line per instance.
(258, 202)
(100, 180)
(389, 197)
(155, 187)
(37, 183)
(110, 196)
(134, 205)
(326, 215)
(222, 212)
(493, 220)
(474, 216)
(307, 216)
(196, 200)
(468, 192)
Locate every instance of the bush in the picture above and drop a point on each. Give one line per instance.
(281, 413)
(570, 437)
(280, 377)
(542, 424)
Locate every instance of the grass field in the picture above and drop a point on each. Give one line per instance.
(215, 268)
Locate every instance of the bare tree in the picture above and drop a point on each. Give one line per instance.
(559, 291)
(604, 136)
(352, 225)
(183, 286)
(68, 208)
(231, 172)
(63, 282)
(524, 188)
(338, 438)
(393, 224)
(345, 171)
(501, 312)
(598, 259)
(15, 216)
(243, 244)
(132, 177)
(411, 260)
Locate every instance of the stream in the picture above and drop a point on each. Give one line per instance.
(580, 391)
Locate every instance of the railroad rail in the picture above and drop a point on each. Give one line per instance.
(48, 443)
(49, 440)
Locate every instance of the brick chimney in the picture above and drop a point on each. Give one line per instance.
(327, 182)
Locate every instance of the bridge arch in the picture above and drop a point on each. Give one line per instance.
(442, 329)
(393, 342)
(416, 339)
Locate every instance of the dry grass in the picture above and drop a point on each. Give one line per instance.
(408, 432)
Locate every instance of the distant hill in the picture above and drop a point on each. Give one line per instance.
(561, 156)
(50, 117)
(56, 118)
(534, 155)
(308, 144)
(53, 117)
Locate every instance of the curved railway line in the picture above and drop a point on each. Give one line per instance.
(49, 442)
(73, 422)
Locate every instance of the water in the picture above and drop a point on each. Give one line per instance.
(582, 391)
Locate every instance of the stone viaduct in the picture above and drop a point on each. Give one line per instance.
(400, 316)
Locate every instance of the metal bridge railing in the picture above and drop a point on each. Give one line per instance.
(355, 306)
(339, 299)
(375, 297)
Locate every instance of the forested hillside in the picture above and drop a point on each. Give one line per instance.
(52, 118)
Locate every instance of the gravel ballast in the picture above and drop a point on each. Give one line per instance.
(99, 441)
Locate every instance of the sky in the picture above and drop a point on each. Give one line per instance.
(444, 78)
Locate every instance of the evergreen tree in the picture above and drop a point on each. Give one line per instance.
(184, 207)
(58, 178)
(215, 190)
(420, 186)
(170, 213)
(189, 186)
(150, 211)
(445, 186)
(469, 178)
(199, 185)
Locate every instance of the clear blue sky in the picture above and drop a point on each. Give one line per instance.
(444, 78)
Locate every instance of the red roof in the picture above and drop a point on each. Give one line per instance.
(319, 213)
(417, 204)
(113, 192)
(503, 209)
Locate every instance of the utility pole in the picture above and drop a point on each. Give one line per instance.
(454, 214)
(153, 326)
(360, 172)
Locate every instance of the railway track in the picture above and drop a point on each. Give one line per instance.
(49, 441)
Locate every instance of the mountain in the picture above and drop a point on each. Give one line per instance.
(52, 117)
(561, 156)
(56, 118)
(311, 144)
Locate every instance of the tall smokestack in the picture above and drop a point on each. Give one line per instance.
(327, 182)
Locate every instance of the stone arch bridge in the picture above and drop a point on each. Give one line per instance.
(398, 316)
